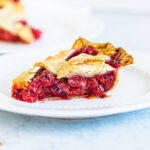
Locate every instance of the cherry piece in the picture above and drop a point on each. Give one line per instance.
(77, 81)
(23, 22)
(115, 60)
(88, 50)
(37, 33)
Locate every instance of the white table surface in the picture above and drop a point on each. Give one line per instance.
(128, 131)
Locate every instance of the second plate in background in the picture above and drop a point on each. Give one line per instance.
(60, 25)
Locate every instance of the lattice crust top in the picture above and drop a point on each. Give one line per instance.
(105, 49)
(84, 64)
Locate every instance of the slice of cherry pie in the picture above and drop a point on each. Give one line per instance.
(13, 25)
(87, 70)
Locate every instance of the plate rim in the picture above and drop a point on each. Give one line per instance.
(77, 114)
(72, 114)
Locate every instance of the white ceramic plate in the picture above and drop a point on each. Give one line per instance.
(132, 93)
(60, 24)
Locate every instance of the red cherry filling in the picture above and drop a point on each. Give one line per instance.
(45, 84)
(77, 81)
(107, 80)
(88, 50)
(23, 22)
(16, 92)
(115, 60)
(7, 36)
(37, 33)
(16, 1)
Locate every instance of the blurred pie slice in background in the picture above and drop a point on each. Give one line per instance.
(13, 24)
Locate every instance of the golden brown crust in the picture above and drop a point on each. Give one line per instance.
(52, 64)
(25, 33)
(105, 49)
(22, 79)
(84, 64)
(10, 15)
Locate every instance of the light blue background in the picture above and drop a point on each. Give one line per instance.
(128, 131)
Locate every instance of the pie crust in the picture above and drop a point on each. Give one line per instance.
(105, 49)
(13, 24)
(82, 67)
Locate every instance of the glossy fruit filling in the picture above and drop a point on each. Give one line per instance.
(115, 60)
(16, 1)
(8, 36)
(45, 84)
(87, 50)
